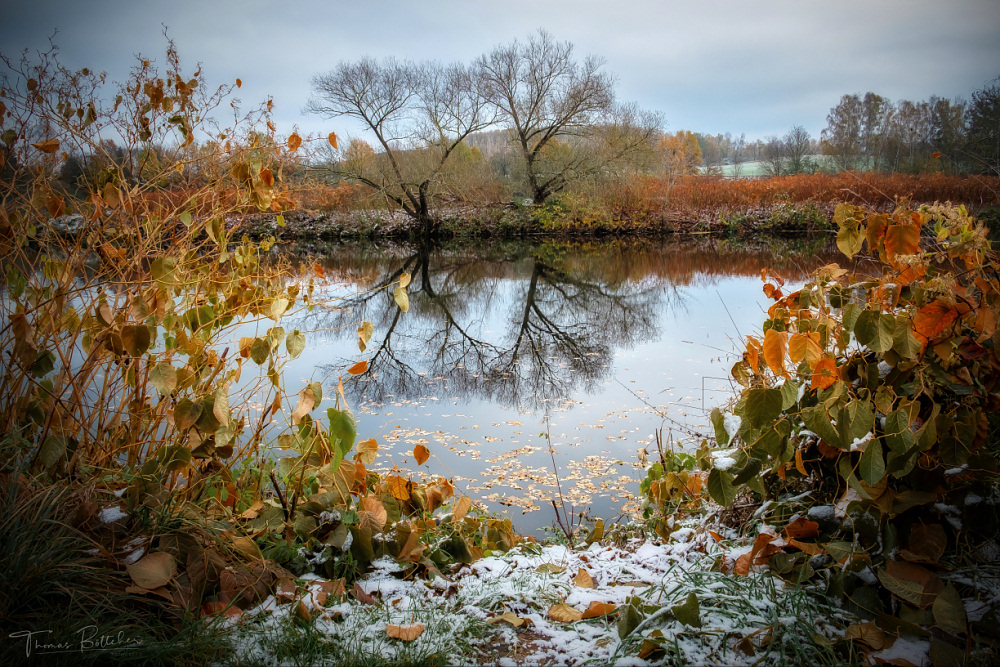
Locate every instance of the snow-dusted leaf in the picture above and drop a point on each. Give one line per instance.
(406, 633)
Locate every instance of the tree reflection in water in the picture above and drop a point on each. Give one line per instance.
(520, 328)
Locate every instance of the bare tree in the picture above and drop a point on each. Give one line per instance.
(773, 156)
(419, 114)
(798, 146)
(738, 155)
(543, 95)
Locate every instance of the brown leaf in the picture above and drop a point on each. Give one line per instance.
(153, 570)
(582, 579)
(406, 633)
(332, 138)
(294, 141)
(47, 146)
(372, 515)
(870, 634)
(307, 400)
(421, 454)
(747, 560)
(286, 590)
(563, 613)
(358, 368)
(462, 507)
(933, 319)
(598, 609)
(913, 583)
(802, 527)
(927, 543)
(360, 595)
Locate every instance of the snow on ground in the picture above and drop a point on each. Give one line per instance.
(527, 581)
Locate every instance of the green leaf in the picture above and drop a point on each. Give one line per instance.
(719, 422)
(185, 218)
(872, 464)
(789, 394)
(44, 362)
(260, 349)
(849, 316)
(164, 378)
(163, 269)
(904, 343)
(875, 330)
(720, 487)
(402, 300)
(628, 620)
(295, 343)
(187, 413)
(689, 612)
(949, 611)
(750, 470)
(762, 406)
(52, 450)
(343, 430)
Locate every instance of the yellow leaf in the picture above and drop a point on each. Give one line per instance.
(153, 570)
(563, 613)
(367, 450)
(805, 346)
(421, 454)
(582, 579)
(508, 617)
(397, 487)
(406, 633)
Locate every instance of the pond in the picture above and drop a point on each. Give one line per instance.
(506, 347)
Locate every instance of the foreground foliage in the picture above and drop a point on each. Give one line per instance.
(867, 428)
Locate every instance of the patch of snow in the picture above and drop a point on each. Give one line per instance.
(110, 514)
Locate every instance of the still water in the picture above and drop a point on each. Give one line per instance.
(506, 347)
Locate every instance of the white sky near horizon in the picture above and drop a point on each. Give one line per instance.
(710, 66)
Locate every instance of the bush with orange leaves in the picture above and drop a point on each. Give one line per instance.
(868, 419)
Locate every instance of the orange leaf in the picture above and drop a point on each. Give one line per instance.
(876, 232)
(47, 146)
(462, 507)
(332, 138)
(598, 609)
(825, 374)
(901, 240)
(746, 561)
(358, 368)
(319, 271)
(406, 633)
(294, 141)
(361, 596)
(807, 547)
(774, 351)
(931, 320)
(799, 465)
(753, 353)
(239, 83)
(421, 454)
(372, 515)
(267, 177)
(802, 527)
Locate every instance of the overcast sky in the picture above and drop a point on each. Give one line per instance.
(710, 66)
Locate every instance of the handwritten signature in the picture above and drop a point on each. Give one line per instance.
(88, 638)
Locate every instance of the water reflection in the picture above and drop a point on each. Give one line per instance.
(603, 339)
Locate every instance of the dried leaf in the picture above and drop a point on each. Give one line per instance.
(421, 454)
(582, 579)
(398, 487)
(598, 609)
(153, 570)
(332, 138)
(825, 374)
(372, 516)
(294, 141)
(563, 613)
(462, 507)
(801, 527)
(47, 146)
(367, 451)
(508, 617)
(932, 320)
(361, 596)
(913, 583)
(358, 368)
(406, 633)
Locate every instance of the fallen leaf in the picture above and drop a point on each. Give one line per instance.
(361, 596)
(406, 633)
(508, 617)
(153, 570)
(582, 579)
(598, 609)
(563, 613)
